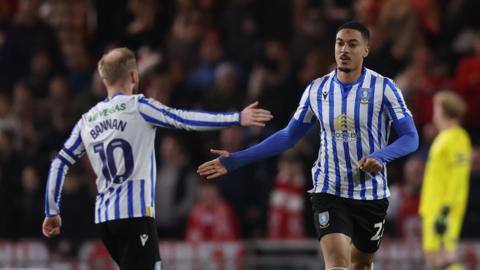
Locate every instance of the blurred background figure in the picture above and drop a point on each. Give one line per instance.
(287, 201)
(29, 206)
(176, 189)
(404, 200)
(446, 183)
(211, 218)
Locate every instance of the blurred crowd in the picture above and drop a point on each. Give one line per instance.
(218, 55)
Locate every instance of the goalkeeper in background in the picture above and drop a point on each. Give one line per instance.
(446, 183)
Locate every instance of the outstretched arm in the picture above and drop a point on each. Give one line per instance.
(276, 143)
(158, 114)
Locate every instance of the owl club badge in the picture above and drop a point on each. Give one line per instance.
(324, 220)
(365, 94)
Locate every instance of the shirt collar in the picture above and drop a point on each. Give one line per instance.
(348, 85)
(114, 95)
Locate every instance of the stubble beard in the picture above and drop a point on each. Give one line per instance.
(345, 69)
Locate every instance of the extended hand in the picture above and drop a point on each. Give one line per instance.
(213, 168)
(252, 116)
(369, 165)
(51, 226)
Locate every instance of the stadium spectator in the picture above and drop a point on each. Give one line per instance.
(404, 201)
(28, 206)
(176, 189)
(286, 201)
(211, 218)
(467, 83)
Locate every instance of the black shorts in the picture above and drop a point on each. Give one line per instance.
(132, 242)
(362, 220)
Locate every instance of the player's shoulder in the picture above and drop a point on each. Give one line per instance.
(323, 78)
(448, 138)
(383, 79)
(373, 73)
(456, 136)
(317, 82)
(106, 107)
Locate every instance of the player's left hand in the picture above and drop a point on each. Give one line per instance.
(441, 222)
(51, 226)
(253, 116)
(369, 165)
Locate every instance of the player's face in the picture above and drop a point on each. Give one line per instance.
(350, 49)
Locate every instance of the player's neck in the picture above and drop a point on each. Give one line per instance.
(349, 77)
(448, 124)
(113, 90)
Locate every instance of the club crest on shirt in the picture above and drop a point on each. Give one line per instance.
(324, 220)
(365, 94)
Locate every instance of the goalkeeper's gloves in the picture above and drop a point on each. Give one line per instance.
(441, 223)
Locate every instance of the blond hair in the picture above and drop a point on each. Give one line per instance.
(451, 103)
(114, 66)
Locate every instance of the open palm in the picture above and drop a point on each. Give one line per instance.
(213, 168)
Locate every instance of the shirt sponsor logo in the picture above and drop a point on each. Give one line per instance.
(108, 111)
(344, 128)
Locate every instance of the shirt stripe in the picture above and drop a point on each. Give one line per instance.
(346, 151)
(371, 145)
(142, 197)
(152, 179)
(117, 202)
(130, 198)
(359, 141)
(99, 207)
(334, 144)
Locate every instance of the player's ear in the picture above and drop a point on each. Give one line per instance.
(133, 77)
(366, 51)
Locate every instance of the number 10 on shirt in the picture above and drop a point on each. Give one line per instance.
(109, 168)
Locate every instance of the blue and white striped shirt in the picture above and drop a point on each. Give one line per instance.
(354, 122)
(118, 136)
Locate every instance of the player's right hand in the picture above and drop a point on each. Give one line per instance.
(213, 168)
(51, 226)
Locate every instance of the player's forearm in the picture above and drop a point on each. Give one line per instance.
(275, 144)
(58, 169)
(200, 121)
(406, 143)
(161, 115)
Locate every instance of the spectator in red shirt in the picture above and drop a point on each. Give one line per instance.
(286, 201)
(211, 218)
(467, 82)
